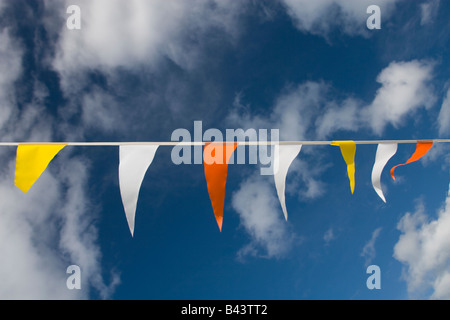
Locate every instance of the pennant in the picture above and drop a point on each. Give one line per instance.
(31, 161)
(216, 158)
(134, 161)
(421, 149)
(385, 151)
(348, 150)
(284, 155)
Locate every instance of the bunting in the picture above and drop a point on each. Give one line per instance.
(385, 151)
(135, 158)
(422, 148)
(216, 158)
(348, 150)
(283, 157)
(31, 161)
(134, 161)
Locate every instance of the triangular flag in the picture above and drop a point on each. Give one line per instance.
(134, 161)
(31, 161)
(284, 155)
(348, 150)
(385, 151)
(216, 158)
(421, 149)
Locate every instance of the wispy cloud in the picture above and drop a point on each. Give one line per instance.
(147, 42)
(424, 250)
(139, 32)
(428, 11)
(51, 227)
(329, 236)
(257, 205)
(45, 231)
(322, 16)
(312, 110)
(10, 52)
(368, 251)
(444, 116)
(405, 88)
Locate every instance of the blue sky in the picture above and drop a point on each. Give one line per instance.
(138, 70)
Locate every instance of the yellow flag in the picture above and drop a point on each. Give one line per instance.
(31, 161)
(348, 150)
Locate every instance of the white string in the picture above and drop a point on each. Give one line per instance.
(201, 143)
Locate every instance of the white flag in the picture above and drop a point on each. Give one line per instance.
(385, 151)
(134, 161)
(284, 155)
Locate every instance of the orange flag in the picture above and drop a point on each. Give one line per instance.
(216, 158)
(421, 149)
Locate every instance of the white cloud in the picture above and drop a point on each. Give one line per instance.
(117, 38)
(101, 112)
(368, 251)
(10, 70)
(328, 236)
(405, 87)
(158, 44)
(115, 33)
(304, 180)
(292, 112)
(311, 110)
(46, 230)
(29, 270)
(295, 109)
(49, 228)
(428, 11)
(444, 116)
(424, 250)
(339, 117)
(322, 16)
(441, 286)
(256, 203)
(78, 234)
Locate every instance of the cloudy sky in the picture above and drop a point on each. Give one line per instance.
(139, 69)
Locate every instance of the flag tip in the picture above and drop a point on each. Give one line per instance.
(23, 189)
(219, 223)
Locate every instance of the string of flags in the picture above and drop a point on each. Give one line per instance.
(135, 158)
